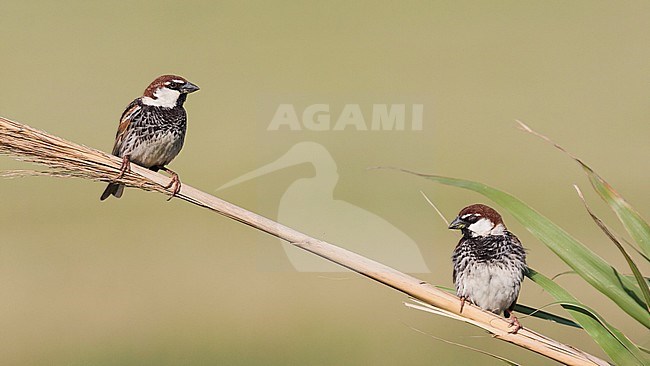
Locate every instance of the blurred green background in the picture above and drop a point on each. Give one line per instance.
(141, 281)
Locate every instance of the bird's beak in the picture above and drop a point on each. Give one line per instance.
(189, 88)
(457, 224)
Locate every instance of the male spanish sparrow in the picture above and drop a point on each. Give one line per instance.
(152, 130)
(489, 262)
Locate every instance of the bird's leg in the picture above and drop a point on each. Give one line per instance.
(462, 303)
(175, 182)
(514, 322)
(125, 167)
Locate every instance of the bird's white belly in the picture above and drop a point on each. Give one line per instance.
(490, 287)
(157, 151)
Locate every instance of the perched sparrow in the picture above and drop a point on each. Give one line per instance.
(152, 130)
(489, 262)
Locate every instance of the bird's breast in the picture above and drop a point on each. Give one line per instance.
(156, 149)
(491, 286)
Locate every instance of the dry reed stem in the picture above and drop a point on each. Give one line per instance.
(67, 159)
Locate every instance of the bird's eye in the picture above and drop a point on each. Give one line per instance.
(472, 218)
(173, 84)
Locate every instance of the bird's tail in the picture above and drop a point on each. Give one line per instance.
(114, 189)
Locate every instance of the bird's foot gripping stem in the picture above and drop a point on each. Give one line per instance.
(514, 322)
(175, 183)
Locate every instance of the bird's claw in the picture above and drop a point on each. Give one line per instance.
(514, 323)
(175, 183)
(462, 304)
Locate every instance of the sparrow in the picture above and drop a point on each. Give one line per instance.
(152, 130)
(489, 262)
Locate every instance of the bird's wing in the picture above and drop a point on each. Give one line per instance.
(454, 259)
(520, 246)
(131, 113)
(522, 252)
(454, 275)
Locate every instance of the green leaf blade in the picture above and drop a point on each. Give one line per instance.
(618, 347)
(635, 269)
(635, 225)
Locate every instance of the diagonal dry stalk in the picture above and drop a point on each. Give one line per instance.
(67, 159)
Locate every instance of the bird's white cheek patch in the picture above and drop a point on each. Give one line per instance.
(482, 227)
(498, 230)
(165, 98)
